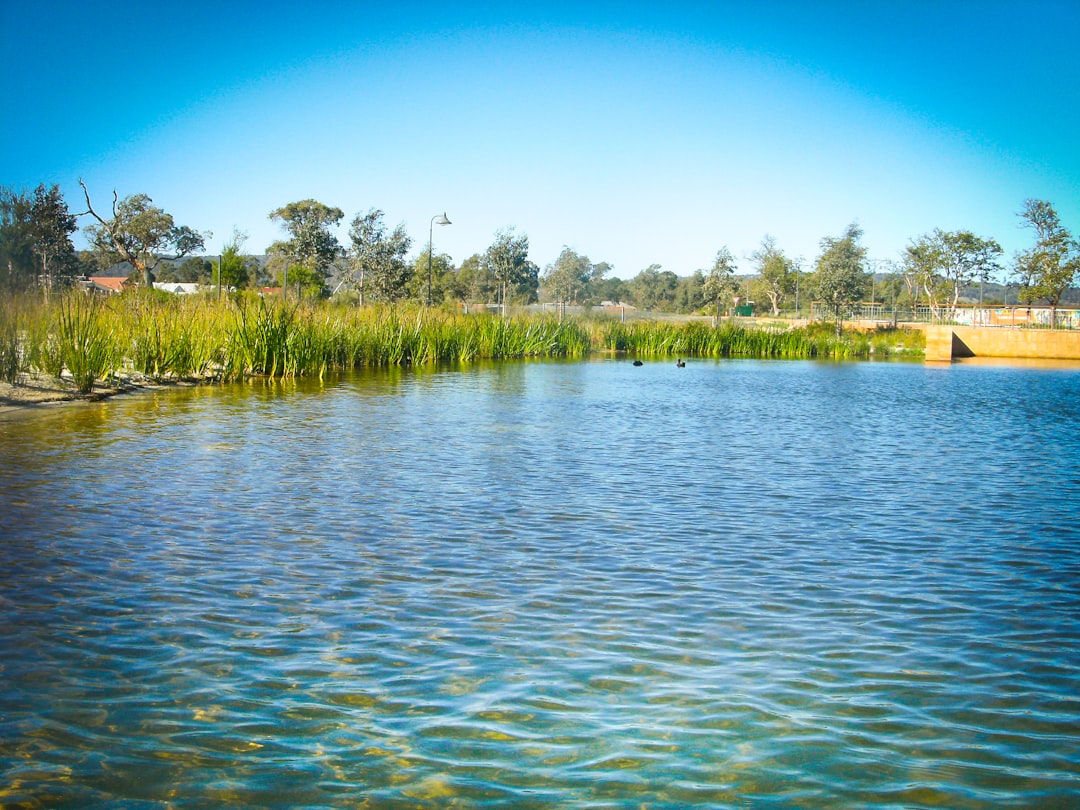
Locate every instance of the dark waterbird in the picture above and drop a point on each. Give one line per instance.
(638, 363)
(680, 364)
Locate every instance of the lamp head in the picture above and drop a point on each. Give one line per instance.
(443, 220)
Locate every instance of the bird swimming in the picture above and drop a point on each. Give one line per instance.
(680, 364)
(638, 363)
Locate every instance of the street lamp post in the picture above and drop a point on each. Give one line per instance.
(442, 220)
(798, 273)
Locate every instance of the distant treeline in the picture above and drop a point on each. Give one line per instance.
(937, 269)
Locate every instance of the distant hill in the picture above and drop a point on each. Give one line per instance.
(124, 269)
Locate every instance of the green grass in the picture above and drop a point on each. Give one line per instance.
(162, 337)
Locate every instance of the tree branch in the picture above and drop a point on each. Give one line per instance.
(89, 206)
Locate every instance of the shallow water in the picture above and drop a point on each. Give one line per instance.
(549, 584)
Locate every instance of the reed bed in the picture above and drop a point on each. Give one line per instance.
(732, 339)
(159, 336)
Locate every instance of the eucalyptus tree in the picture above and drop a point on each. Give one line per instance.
(613, 289)
(720, 283)
(568, 276)
(378, 257)
(777, 272)
(909, 277)
(311, 247)
(507, 259)
(1049, 268)
(139, 233)
(942, 263)
(597, 281)
(473, 281)
(840, 279)
(689, 292)
(654, 288)
(16, 240)
(444, 279)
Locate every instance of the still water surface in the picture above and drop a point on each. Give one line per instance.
(549, 584)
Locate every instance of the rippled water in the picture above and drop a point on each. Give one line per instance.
(551, 584)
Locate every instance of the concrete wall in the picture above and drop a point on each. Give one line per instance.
(943, 343)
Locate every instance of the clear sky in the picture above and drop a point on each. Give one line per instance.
(634, 133)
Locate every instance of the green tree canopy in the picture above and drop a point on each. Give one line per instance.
(35, 239)
(690, 292)
(653, 288)
(377, 261)
(444, 279)
(311, 245)
(1050, 267)
(840, 279)
(944, 262)
(140, 233)
(720, 284)
(602, 289)
(777, 272)
(567, 278)
(235, 269)
(16, 240)
(507, 260)
(53, 225)
(473, 282)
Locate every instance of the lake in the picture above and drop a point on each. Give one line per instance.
(548, 584)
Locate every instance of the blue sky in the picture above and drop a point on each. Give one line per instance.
(635, 133)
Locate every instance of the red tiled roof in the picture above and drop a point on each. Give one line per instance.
(114, 283)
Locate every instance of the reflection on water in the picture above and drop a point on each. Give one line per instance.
(1021, 362)
(542, 584)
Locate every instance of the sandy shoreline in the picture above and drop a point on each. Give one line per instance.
(40, 390)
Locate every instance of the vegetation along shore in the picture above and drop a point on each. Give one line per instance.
(84, 345)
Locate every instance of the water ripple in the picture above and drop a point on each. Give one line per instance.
(548, 584)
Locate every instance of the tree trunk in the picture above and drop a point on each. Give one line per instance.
(46, 280)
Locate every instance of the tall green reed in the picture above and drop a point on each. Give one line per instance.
(730, 339)
(11, 354)
(158, 335)
(86, 343)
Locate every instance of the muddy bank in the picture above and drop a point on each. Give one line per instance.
(41, 390)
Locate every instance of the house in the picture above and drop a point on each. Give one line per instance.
(177, 287)
(110, 284)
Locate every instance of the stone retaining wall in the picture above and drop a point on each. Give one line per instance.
(944, 343)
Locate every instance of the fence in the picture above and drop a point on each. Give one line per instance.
(1013, 315)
